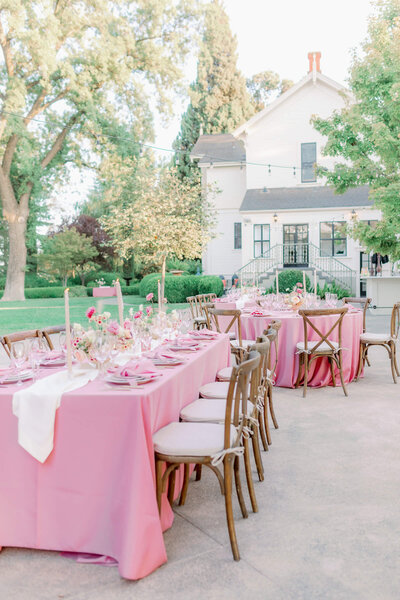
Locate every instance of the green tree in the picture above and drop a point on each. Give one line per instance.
(156, 215)
(72, 70)
(264, 86)
(67, 252)
(219, 100)
(366, 133)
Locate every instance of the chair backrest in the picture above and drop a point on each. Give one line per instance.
(207, 297)
(272, 333)
(202, 300)
(194, 306)
(322, 337)
(395, 321)
(262, 346)
(206, 306)
(225, 312)
(20, 336)
(363, 303)
(6, 349)
(236, 401)
(48, 331)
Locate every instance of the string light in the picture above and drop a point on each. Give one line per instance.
(142, 145)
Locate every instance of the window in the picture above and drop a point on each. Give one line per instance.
(308, 160)
(333, 240)
(261, 239)
(237, 236)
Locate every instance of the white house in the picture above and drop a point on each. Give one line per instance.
(273, 212)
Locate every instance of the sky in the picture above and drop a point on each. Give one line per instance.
(277, 36)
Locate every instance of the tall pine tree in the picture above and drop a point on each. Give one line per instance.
(219, 98)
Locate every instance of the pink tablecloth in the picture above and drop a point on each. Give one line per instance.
(292, 332)
(104, 292)
(96, 491)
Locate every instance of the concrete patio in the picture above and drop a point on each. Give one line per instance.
(328, 519)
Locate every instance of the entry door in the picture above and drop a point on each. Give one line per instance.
(295, 245)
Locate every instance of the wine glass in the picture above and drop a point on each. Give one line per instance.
(101, 350)
(18, 352)
(37, 351)
(62, 339)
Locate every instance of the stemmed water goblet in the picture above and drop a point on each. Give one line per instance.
(18, 352)
(101, 351)
(37, 351)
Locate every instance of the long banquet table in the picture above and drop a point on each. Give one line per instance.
(96, 491)
(292, 332)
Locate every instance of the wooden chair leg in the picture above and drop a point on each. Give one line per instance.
(257, 455)
(182, 498)
(159, 472)
(238, 484)
(341, 373)
(198, 471)
(249, 477)
(271, 407)
(392, 361)
(171, 486)
(296, 385)
(228, 507)
(360, 361)
(367, 360)
(266, 420)
(305, 375)
(332, 371)
(395, 360)
(263, 437)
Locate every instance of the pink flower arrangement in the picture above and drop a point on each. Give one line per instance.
(138, 315)
(113, 327)
(149, 310)
(127, 324)
(90, 312)
(150, 297)
(299, 285)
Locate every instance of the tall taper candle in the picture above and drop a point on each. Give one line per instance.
(277, 281)
(304, 282)
(120, 303)
(315, 281)
(159, 296)
(68, 331)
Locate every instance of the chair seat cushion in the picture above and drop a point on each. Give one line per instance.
(224, 374)
(200, 320)
(208, 410)
(191, 439)
(323, 348)
(245, 343)
(375, 338)
(215, 389)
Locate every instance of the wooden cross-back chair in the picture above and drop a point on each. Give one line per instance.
(199, 320)
(235, 337)
(263, 346)
(48, 331)
(206, 297)
(309, 350)
(210, 444)
(387, 340)
(19, 336)
(363, 303)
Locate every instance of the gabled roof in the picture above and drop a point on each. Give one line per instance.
(220, 148)
(303, 197)
(290, 92)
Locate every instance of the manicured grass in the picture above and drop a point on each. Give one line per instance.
(43, 312)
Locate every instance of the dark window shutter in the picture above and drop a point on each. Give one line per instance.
(237, 241)
(308, 160)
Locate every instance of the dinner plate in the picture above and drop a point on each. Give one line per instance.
(56, 362)
(13, 377)
(132, 381)
(184, 348)
(167, 362)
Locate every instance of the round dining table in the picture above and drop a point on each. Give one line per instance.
(292, 332)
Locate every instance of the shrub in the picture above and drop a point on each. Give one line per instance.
(289, 278)
(333, 288)
(144, 283)
(176, 288)
(77, 291)
(45, 292)
(34, 280)
(210, 284)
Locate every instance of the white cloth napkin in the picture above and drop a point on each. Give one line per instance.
(35, 407)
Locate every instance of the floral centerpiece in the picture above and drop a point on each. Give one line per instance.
(295, 298)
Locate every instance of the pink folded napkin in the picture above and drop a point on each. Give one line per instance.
(4, 373)
(53, 355)
(137, 367)
(203, 333)
(164, 354)
(183, 341)
(257, 313)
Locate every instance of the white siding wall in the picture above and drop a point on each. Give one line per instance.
(277, 138)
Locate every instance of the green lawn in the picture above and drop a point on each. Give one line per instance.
(43, 312)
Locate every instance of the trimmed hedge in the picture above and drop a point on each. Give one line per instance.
(143, 285)
(289, 278)
(45, 292)
(177, 289)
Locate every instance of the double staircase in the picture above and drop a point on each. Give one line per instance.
(305, 257)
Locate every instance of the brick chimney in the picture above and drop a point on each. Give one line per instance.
(314, 61)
